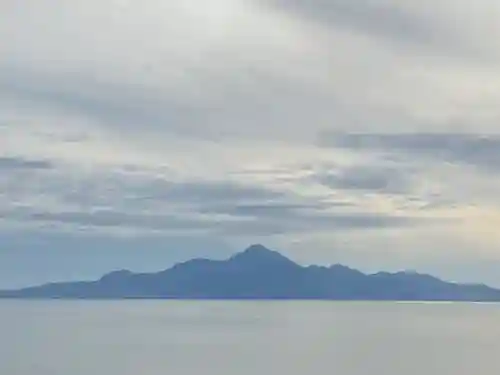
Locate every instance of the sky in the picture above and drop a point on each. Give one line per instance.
(139, 134)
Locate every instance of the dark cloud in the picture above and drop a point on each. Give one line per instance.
(262, 209)
(273, 209)
(268, 209)
(118, 104)
(380, 179)
(238, 220)
(109, 218)
(363, 220)
(241, 95)
(17, 163)
(148, 200)
(264, 222)
(208, 191)
(381, 18)
(313, 222)
(427, 27)
(147, 191)
(379, 176)
(477, 150)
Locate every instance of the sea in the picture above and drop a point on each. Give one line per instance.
(247, 338)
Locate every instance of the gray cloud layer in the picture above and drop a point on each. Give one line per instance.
(383, 18)
(16, 163)
(424, 26)
(477, 150)
(382, 179)
(151, 203)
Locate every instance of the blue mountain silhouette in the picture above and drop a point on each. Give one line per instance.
(260, 273)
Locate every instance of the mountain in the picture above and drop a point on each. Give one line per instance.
(260, 273)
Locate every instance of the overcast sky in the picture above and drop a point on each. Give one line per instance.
(138, 134)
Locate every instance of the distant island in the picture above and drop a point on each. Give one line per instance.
(260, 273)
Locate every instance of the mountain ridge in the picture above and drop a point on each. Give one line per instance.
(261, 273)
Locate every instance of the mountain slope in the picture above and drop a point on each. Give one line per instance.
(260, 273)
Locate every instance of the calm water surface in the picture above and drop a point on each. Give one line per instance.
(150, 338)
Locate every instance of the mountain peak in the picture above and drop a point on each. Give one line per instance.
(259, 254)
(258, 248)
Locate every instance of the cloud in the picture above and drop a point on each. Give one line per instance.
(178, 82)
(143, 201)
(386, 19)
(16, 163)
(376, 178)
(250, 68)
(473, 149)
(200, 192)
(273, 210)
(419, 27)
